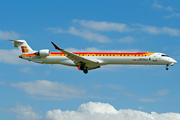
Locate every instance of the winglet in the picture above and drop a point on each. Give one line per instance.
(56, 47)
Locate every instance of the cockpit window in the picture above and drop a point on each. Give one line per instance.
(164, 55)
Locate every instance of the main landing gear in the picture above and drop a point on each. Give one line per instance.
(82, 67)
(167, 67)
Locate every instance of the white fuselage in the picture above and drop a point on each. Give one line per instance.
(106, 58)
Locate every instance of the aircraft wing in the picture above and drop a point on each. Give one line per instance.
(78, 60)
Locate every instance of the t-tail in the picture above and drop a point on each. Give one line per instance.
(23, 46)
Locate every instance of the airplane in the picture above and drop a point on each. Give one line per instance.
(90, 60)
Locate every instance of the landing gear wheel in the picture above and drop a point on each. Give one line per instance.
(85, 71)
(166, 68)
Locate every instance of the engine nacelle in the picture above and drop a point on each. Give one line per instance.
(43, 53)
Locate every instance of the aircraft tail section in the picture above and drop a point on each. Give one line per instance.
(22, 45)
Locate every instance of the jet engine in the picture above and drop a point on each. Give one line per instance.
(43, 53)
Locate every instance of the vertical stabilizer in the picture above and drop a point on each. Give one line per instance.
(22, 45)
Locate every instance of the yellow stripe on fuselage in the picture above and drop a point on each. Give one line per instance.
(97, 54)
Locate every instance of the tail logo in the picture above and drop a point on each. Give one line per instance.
(24, 49)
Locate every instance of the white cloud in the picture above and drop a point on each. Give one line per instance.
(92, 111)
(105, 111)
(172, 15)
(88, 30)
(8, 35)
(157, 30)
(127, 39)
(149, 99)
(158, 6)
(162, 92)
(97, 107)
(25, 113)
(43, 89)
(104, 26)
(84, 33)
(89, 35)
(11, 56)
(170, 31)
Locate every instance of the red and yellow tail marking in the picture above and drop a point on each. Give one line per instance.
(24, 49)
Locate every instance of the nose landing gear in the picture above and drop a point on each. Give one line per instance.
(167, 67)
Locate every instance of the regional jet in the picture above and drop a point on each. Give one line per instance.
(91, 60)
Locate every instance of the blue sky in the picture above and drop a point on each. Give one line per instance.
(31, 91)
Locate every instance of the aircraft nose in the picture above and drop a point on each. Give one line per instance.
(175, 61)
(172, 62)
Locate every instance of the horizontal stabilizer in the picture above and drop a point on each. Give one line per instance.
(14, 41)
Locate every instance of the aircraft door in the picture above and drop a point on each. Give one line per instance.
(154, 58)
